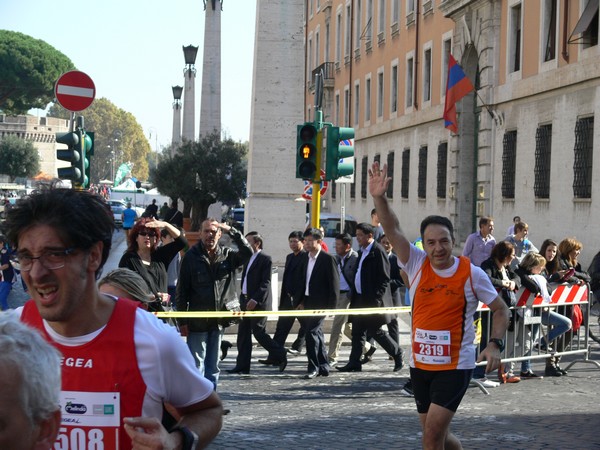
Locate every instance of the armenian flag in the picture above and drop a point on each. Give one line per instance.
(457, 87)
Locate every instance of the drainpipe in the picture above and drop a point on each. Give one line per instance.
(565, 46)
(351, 64)
(417, 53)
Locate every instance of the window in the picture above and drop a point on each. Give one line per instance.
(514, 46)
(410, 6)
(380, 94)
(447, 48)
(390, 172)
(333, 190)
(309, 75)
(442, 169)
(509, 164)
(368, 31)
(422, 175)
(549, 30)
(427, 75)
(405, 172)
(587, 26)
(346, 107)
(409, 82)
(348, 41)
(358, 29)
(582, 166)
(337, 107)
(327, 43)
(368, 100)
(356, 103)
(381, 21)
(353, 184)
(317, 49)
(395, 11)
(394, 89)
(363, 177)
(543, 151)
(338, 39)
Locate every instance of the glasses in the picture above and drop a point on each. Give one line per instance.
(51, 259)
(147, 233)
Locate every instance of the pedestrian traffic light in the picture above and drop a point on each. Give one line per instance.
(339, 160)
(306, 156)
(72, 154)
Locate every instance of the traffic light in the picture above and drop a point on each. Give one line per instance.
(73, 154)
(306, 156)
(88, 151)
(340, 145)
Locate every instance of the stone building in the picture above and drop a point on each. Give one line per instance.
(526, 142)
(41, 132)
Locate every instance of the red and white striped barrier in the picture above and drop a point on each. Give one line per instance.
(563, 294)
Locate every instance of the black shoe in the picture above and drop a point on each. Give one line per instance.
(530, 374)
(561, 370)
(226, 411)
(323, 373)
(398, 362)
(239, 371)
(310, 375)
(268, 362)
(282, 365)
(293, 351)
(552, 371)
(225, 346)
(349, 368)
(368, 356)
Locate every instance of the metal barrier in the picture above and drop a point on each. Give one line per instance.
(521, 343)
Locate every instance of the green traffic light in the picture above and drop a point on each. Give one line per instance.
(340, 148)
(306, 151)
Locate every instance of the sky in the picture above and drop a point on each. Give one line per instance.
(132, 49)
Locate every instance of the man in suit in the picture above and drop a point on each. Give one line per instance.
(322, 290)
(346, 260)
(371, 290)
(256, 296)
(396, 283)
(292, 287)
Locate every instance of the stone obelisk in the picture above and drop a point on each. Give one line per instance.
(189, 101)
(210, 101)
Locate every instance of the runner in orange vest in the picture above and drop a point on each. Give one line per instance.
(445, 292)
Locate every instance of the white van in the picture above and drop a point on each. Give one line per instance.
(331, 223)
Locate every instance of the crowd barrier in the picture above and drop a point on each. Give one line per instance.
(527, 320)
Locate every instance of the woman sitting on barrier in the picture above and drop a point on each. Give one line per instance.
(530, 272)
(507, 282)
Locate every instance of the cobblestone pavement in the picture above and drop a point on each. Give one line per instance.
(365, 410)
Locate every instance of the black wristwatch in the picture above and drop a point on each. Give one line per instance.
(190, 439)
(498, 342)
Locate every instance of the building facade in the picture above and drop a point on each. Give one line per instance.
(526, 140)
(41, 132)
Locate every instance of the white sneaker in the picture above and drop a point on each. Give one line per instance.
(488, 383)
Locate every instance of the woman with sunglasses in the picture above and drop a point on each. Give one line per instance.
(144, 256)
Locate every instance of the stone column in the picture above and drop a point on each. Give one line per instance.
(210, 101)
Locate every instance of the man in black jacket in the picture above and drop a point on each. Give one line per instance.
(207, 283)
(256, 296)
(322, 291)
(371, 290)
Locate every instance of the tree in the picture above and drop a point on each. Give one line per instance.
(202, 173)
(118, 138)
(29, 69)
(18, 158)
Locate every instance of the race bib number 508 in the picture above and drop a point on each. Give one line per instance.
(90, 421)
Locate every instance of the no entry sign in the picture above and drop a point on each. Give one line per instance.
(75, 90)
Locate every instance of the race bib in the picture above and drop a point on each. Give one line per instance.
(431, 347)
(90, 421)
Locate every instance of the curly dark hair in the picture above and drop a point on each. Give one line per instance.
(80, 218)
(502, 250)
(140, 226)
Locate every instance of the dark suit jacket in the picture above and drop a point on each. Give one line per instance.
(292, 283)
(375, 284)
(324, 283)
(259, 282)
(349, 267)
(396, 281)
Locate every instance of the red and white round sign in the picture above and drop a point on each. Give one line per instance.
(308, 187)
(75, 91)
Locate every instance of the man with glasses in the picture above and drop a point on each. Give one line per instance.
(207, 283)
(114, 353)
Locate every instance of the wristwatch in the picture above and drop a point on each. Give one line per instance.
(498, 342)
(190, 439)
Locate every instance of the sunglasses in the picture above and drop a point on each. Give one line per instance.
(147, 233)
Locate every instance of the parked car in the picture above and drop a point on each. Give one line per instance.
(117, 207)
(236, 218)
(331, 224)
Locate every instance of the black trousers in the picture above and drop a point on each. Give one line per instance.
(255, 326)
(316, 352)
(361, 327)
(284, 326)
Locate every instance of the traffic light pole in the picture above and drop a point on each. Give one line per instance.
(315, 207)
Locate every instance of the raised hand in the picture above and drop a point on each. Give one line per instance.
(378, 180)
